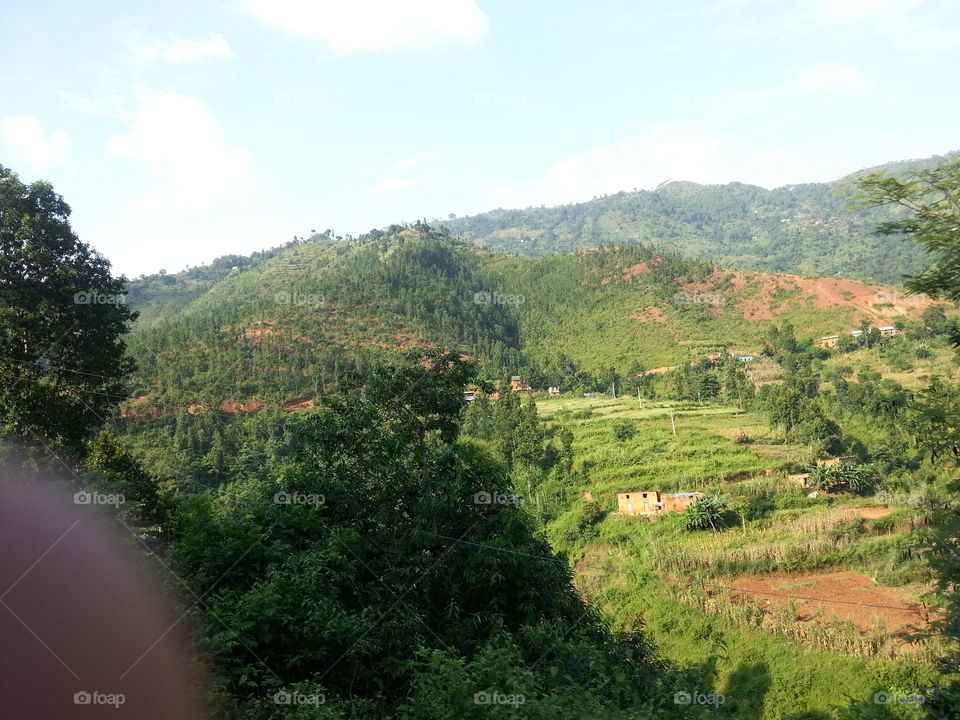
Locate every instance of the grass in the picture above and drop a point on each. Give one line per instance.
(793, 666)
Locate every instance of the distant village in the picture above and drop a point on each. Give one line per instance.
(652, 504)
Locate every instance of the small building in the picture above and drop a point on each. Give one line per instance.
(652, 503)
(828, 341)
(553, 390)
(745, 358)
(517, 386)
(888, 331)
(845, 459)
(469, 395)
(801, 479)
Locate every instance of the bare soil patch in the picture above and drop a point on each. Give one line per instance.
(851, 594)
(649, 313)
(303, 403)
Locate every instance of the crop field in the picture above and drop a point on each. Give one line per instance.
(794, 579)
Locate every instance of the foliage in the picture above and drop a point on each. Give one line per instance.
(62, 316)
(705, 512)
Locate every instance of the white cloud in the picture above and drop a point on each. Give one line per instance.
(828, 77)
(823, 77)
(909, 25)
(178, 140)
(679, 150)
(411, 163)
(29, 142)
(187, 51)
(361, 26)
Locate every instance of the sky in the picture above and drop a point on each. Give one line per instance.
(182, 131)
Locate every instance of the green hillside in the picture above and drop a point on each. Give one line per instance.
(808, 229)
(296, 322)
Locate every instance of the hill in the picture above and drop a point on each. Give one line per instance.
(806, 229)
(289, 325)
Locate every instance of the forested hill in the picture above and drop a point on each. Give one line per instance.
(286, 326)
(808, 229)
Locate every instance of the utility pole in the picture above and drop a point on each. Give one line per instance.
(672, 423)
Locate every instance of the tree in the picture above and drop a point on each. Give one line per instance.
(705, 512)
(62, 317)
(932, 201)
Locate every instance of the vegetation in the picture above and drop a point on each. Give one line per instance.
(296, 444)
(807, 229)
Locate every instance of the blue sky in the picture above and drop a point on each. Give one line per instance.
(181, 131)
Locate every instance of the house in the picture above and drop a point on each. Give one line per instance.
(801, 479)
(828, 341)
(517, 386)
(553, 390)
(745, 358)
(652, 503)
(845, 459)
(888, 331)
(469, 395)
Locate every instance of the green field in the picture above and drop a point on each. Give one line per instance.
(646, 574)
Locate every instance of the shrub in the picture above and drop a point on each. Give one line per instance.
(706, 512)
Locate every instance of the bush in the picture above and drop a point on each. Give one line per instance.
(706, 512)
(623, 430)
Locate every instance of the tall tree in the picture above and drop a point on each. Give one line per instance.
(932, 200)
(62, 316)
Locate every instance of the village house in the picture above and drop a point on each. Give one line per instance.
(652, 503)
(553, 390)
(469, 395)
(845, 459)
(517, 386)
(830, 341)
(803, 479)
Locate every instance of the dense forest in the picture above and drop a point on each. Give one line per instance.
(288, 440)
(806, 229)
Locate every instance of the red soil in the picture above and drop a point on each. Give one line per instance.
(303, 403)
(899, 614)
(649, 313)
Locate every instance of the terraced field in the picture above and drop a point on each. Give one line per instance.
(803, 582)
